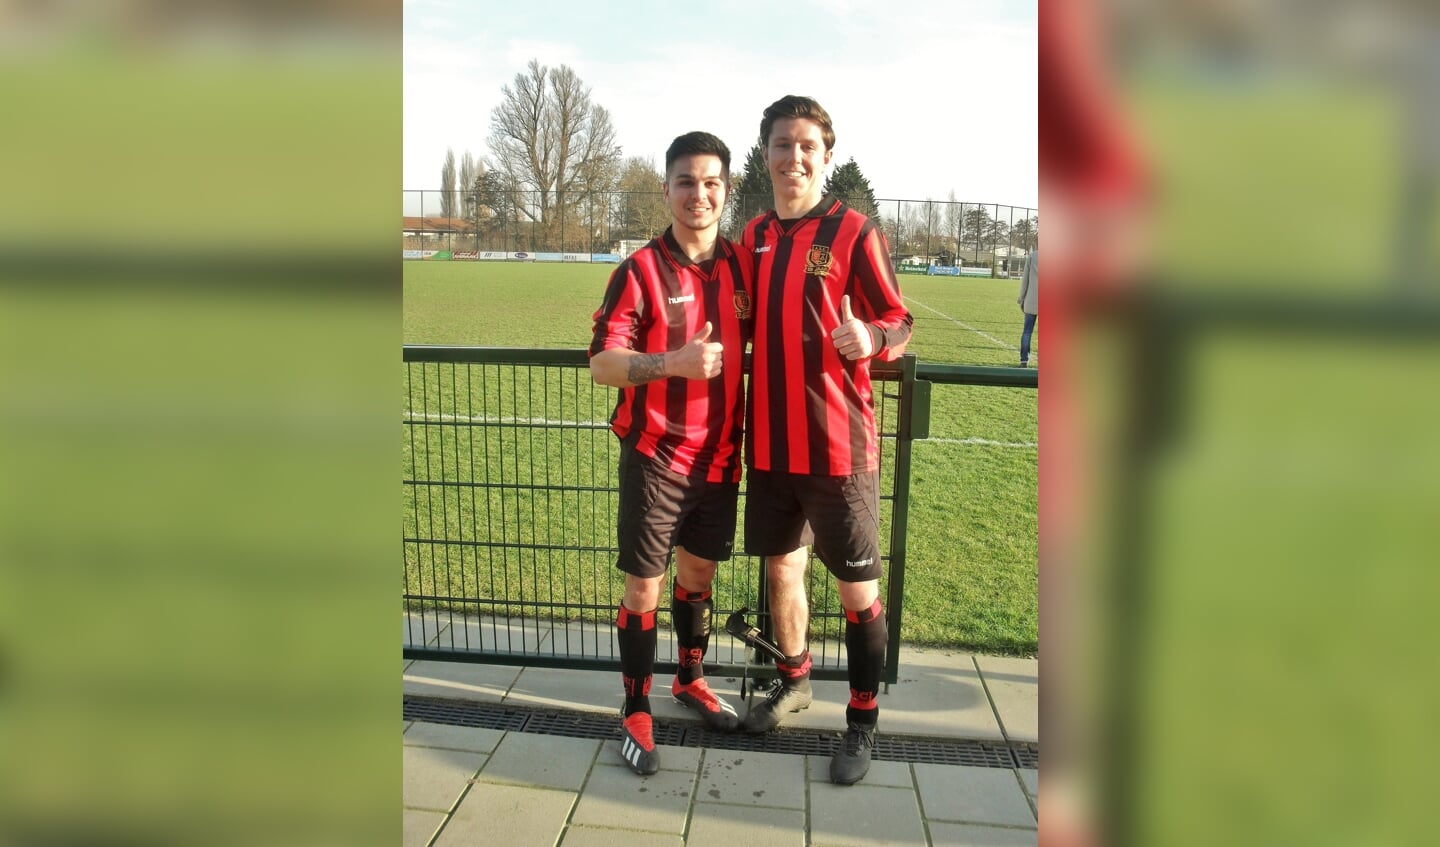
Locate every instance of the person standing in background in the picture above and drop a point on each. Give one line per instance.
(1029, 303)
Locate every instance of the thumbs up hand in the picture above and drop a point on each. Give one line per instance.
(699, 358)
(852, 337)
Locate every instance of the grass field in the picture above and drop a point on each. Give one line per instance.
(972, 576)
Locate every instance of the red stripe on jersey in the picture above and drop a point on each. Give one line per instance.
(656, 300)
(810, 410)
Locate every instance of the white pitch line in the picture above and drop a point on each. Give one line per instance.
(970, 442)
(525, 421)
(1007, 345)
(980, 442)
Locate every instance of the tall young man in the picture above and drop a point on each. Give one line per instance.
(826, 302)
(670, 334)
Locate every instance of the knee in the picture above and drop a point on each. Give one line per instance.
(641, 595)
(693, 572)
(787, 568)
(858, 596)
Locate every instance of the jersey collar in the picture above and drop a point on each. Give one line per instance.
(676, 254)
(825, 207)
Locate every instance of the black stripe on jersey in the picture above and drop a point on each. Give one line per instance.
(775, 317)
(859, 441)
(738, 274)
(715, 386)
(817, 339)
(756, 240)
(675, 338)
(611, 301)
(876, 288)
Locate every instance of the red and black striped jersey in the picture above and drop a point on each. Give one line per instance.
(809, 409)
(656, 301)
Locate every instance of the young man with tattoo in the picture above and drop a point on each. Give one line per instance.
(670, 334)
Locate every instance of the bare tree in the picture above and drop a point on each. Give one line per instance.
(447, 184)
(641, 211)
(920, 227)
(933, 226)
(470, 170)
(952, 225)
(915, 229)
(548, 138)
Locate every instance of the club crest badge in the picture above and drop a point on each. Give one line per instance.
(817, 261)
(743, 309)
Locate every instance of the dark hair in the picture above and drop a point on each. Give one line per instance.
(795, 106)
(698, 144)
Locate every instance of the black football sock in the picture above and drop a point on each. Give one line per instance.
(865, 640)
(635, 632)
(690, 611)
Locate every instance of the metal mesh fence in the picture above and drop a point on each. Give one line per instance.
(990, 235)
(510, 500)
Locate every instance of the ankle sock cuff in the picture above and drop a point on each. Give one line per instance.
(795, 667)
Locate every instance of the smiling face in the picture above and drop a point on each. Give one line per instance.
(696, 188)
(797, 156)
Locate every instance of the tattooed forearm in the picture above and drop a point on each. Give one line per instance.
(645, 368)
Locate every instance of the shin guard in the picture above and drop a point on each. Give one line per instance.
(636, 634)
(865, 641)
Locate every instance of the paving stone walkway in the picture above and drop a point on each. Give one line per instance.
(468, 786)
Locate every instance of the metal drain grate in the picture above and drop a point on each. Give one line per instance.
(930, 751)
(463, 713)
(793, 741)
(1026, 755)
(577, 724)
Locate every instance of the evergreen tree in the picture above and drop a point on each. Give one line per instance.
(849, 184)
(1025, 233)
(978, 228)
(752, 191)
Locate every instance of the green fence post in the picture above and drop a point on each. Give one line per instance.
(899, 518)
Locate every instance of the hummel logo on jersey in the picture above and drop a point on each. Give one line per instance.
(765, 249)
(860, 564)
(688, 298)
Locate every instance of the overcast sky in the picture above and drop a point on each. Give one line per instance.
(928, 96)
